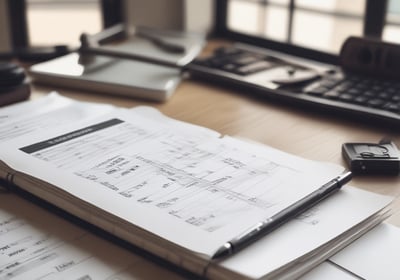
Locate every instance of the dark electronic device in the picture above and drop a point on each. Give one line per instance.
(365, 84)
(37, 54)
(369, 158)
(14, 85)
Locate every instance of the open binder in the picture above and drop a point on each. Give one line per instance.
(178, 190)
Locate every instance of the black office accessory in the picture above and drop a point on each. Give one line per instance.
(364, 85)
(14, 86)
(372, 158)
(37, 54)
(11, 74)
(264, 227)
(371, 57)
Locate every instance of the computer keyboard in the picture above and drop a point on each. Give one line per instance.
(359, 90)
(300, 82)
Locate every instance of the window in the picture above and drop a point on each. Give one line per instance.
(308, 27)
(67, 19)
(391, 31)
(64, 20)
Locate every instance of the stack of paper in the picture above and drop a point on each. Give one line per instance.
(374, 256)
(177, 190)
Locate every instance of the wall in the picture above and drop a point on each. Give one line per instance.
(199, 15)
(5, 40)
(189, 15)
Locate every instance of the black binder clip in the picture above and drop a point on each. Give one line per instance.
(370, 158)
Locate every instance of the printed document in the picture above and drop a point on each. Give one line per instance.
(35, 244)
(175, 189)
(209, 189)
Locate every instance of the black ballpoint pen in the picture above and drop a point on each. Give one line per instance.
(264, 227)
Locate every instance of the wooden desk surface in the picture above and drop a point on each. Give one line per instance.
(239, 113)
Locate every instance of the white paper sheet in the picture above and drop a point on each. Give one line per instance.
(374, 256)
(196, 191)
(319, 225)
(34, 244)
(328, 271)
(47, 112)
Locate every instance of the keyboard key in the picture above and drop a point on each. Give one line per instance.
(328, 83)
(377, 88)
(354, 91)
(363, 85)
(376, 102)
(362, 100)
(347, 84)
(346, 97)
(317, 91)
(395, 98)
(369, 93)
(229, 67)
(332, 94)
(394, 107)
(384, 95)
(391, 90)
